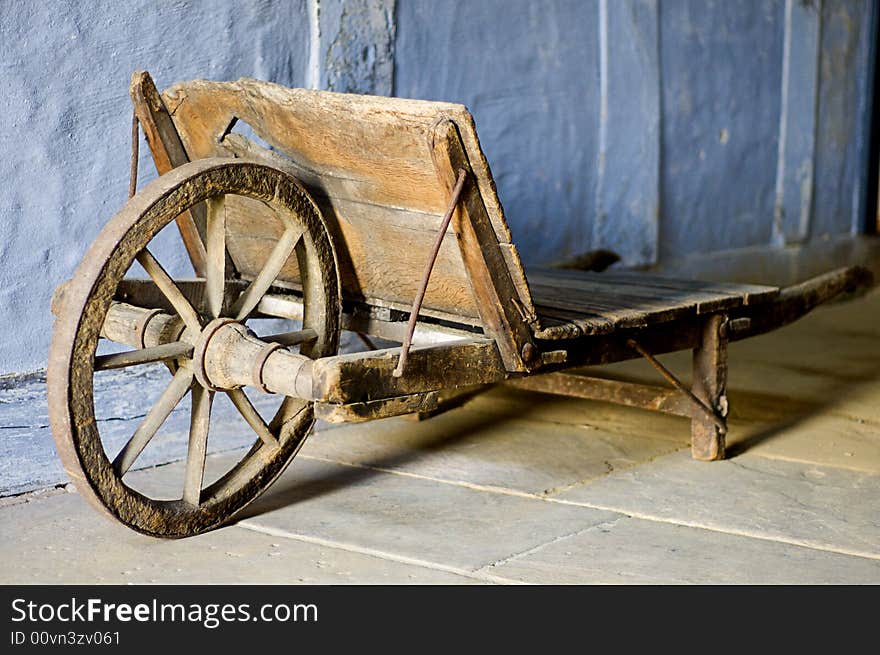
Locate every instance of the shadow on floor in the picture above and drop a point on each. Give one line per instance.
(293, 490)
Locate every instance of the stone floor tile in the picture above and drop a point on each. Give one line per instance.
(825, 507)
(58, 539)
(633, 551)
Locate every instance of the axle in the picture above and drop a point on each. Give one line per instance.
(226, 354)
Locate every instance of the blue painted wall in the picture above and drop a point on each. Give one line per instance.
(649, 127)
(543, 86)
(64, 70)
(528, 73)
(720, 80)
(843, 102)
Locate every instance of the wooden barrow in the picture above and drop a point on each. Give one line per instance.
(352, 213)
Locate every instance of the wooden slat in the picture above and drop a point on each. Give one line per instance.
(621, 310)
(358, 319)
(372, 147)
(712, 295)
(660, 399)
(604, 299)
(379, 247)
(168, 152)
(376, 409)
(294, 338)
(359, 377)
(574, 303)
(486, 266)
(366, 162)
(366, 272)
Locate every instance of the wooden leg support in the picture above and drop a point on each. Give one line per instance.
(710, 386)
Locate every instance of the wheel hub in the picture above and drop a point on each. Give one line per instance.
(200, 349)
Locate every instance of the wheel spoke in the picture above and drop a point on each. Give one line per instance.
(169, 289)
(200, 423)
(143, 355)
(292, 338)
(257, 289)
(173, 394)
(253, 418)
(216, 262)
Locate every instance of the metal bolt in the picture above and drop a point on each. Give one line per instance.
(529, 351)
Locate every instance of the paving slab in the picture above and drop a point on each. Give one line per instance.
(489, 449)
(824, 439)
(818, 506)
(858, 404)
(402, 515)
(633, 551)
(822, 387)
(58, 539)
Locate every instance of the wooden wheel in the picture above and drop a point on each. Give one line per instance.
(180, 338)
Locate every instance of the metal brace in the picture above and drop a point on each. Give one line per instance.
(675, 382)
(426, 276)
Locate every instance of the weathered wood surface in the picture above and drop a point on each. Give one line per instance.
(573, 385)
(503, 318)
(449, 399)
(252, 228)
(571, 304)
(83, 316)
(166, 351)
(429, 267)
(366, 161)
(145, 293)
(799, 299)
(367, 376)
(376, 321)
(168, 152)
(376, 409)
(710, 385)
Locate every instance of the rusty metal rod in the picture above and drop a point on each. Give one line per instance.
(133, 164)
(426, 276)
(675, 382)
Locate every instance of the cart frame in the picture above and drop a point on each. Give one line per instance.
(330, 165)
